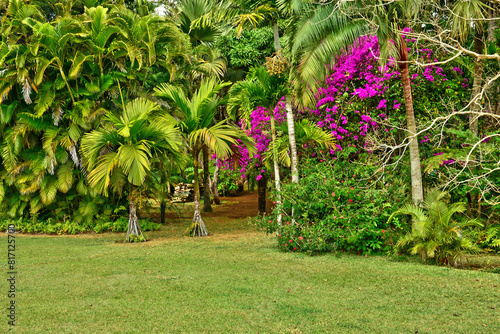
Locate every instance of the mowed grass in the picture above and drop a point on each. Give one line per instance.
(235, 281)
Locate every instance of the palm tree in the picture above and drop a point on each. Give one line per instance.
(435, 233)
(317, 33)
(244, 13)
(199, 131)
(193, 10)
(119, 154)
(264, 90)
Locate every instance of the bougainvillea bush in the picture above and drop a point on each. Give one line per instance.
(362, 98)
(337, 205)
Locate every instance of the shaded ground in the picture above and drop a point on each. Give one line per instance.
(242, 205)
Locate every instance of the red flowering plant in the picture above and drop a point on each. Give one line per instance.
(335, 207)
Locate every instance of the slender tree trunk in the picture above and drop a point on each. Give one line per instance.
(262, 187)
(416, 171)
(207, 206)
(493, 91)
(198, 226)
(215, 190)
(476, 91)
(293, 145)
(134, 228)
(492, 24)
(478, 78)
(163, 207)
(289, 117)
(276, 169)
(277, 44)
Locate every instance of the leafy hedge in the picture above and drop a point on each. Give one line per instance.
(339, 206)
(51, 226)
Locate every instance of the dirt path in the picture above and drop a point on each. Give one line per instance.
(242, 205)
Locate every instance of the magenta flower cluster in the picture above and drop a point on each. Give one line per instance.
(259, 130)
(359, 96)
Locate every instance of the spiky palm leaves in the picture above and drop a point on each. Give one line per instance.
(435, 232)
(58, 77)
(199, 130)
(119, 154)
(317, 33)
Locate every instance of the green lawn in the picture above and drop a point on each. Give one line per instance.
(235, 281)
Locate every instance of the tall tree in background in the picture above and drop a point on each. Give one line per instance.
(201, 132)
(327, 30)
(260, 89)
(469, 18)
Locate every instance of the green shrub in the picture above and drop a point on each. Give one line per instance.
(338, 206)
(228, 180)
(435, 233)
(50, 226)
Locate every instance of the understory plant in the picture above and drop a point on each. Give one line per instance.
(100, 224)
(437, 233)
(338, 205)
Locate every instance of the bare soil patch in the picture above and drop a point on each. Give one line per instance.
(241, 205)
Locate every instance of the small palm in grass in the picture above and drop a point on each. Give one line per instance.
(119, 154)
(435, 233)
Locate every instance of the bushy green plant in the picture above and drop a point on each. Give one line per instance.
(488, 239)
(435, 233)
(50, 226)
(228, 180)
(338, 206)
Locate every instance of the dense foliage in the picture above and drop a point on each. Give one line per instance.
(338, 205)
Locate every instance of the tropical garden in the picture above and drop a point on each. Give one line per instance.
(366, 129)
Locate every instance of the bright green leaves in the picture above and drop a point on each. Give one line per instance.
(122, 150)
(44, 99)
(99, 176)
(198, 114)
(134, 159)
(48, 190)
(65, 177)
(77, 64)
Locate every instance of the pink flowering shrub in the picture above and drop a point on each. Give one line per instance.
(260, 130)
(361, 97)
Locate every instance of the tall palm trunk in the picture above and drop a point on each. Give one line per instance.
(416, 172)
(492, 24)
(478, 78)
(215, 180)
(493, 91)
(293, 145)
(276, 169)
(134, 229)
(289, 117)
(198, 226)
(277, 44)
(163, 208)
(262, 185)
(207, 206)
(476, 91)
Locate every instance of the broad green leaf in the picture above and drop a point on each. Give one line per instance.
(65, 177)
